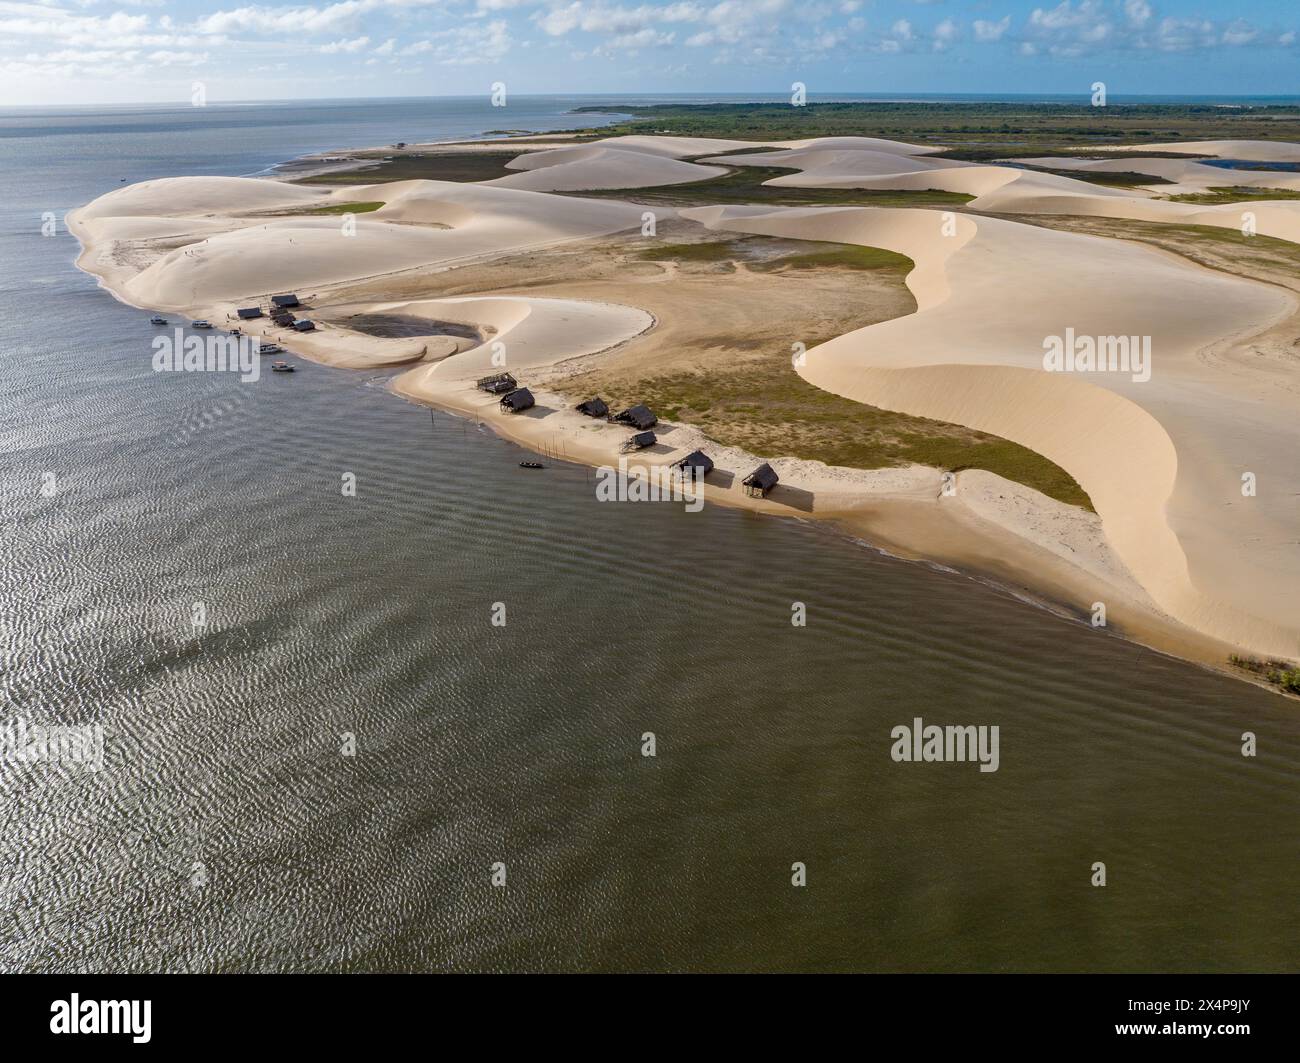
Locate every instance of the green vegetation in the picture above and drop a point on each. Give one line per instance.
(745, 185)
(712, 251)
(1235, 194)
(432, 166)
(339, 208)
(827, 256)
(1280, 673)
(1010, 126)
(1110, 178)
(842, 256)
(764, 406)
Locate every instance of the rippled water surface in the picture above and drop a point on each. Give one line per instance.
(227, 832)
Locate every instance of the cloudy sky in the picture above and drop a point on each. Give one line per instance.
(99, 51)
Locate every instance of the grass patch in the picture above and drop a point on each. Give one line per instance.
(1108, 178)
(1233, 194)
(1279, 673)
(826, 256)
(434, 166)
(713, 251)
(764, 406)
(338, 208)
(842, 256)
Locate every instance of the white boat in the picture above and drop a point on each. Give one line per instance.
(270, 348)
(200, 324)
(156, 320)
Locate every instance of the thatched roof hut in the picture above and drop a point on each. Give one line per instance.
(638, 416)
(639, 441)
(285, 302)
(596, 407)
(759, 482)
(248, 313)
(697, 459)
(520, 399)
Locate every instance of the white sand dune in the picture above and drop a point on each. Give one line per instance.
(1161, 460)
(1252, 150)
(595, 166)
(519, 332)
(250, 255)
(1183, 175)
(1013, 190)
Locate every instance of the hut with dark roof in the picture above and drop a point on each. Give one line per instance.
(638, 416)
(639, 442)
(285, 302)
(759, 482)
(596, 407)
(248, 313)
(497, 383)
(517, 400)
(697, 459)
(304, 326)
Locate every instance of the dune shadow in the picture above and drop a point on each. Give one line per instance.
(795, 497)
(536, 412)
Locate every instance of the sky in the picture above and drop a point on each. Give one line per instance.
(120, 51)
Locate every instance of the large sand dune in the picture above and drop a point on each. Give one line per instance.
(1161, 459)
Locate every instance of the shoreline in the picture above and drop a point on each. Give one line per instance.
(899, 512)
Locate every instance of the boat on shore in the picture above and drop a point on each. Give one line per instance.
(531, 465)
(200, 324)
(281, 367)
(270, 348)
(157, 320)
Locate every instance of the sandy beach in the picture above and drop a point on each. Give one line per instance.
(1181, 558)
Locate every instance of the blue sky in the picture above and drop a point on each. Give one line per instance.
(100, 51)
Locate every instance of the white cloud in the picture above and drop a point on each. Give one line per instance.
(991, 31)
(345, 47)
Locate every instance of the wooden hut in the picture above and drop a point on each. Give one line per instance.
(304, 326)
(497, 384)
(283, 318)
(517, 400)
(285, 302)
(638, 416)
(249, 313)
(696, 459)
(759, 482)
(639, 442)
(596, 407)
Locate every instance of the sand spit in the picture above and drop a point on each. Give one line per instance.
(1178, 553)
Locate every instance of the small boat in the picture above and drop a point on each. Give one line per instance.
(531, 465)
(156, 320)
(281, 367)
(236, 332)
(200, 324)
(270, 348)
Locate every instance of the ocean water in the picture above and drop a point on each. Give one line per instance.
(226, 831)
